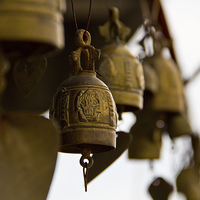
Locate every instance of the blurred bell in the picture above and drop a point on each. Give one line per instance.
(160, 189)
(178, 125)
(28, 151)
(151, 79)
(31, 27)
(119, 69)
(169, 97)
(146, 137)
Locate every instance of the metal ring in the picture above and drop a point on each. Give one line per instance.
(84, 164)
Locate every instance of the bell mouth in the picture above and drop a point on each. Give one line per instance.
(96, 141)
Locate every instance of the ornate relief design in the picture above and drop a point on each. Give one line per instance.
(88, 105)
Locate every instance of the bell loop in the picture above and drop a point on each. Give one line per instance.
(114, 29)
(83, 40)
(86, 161)
(86, 164)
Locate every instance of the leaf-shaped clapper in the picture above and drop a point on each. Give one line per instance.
(28, 72)
(28, 152)
(105, 159)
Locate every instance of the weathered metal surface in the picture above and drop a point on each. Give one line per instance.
(119, 69)
(170, 95)
(31, 27)
(83, 105)
(146, 136)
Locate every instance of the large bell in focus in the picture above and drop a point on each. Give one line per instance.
(119, 69)
(146, 137)
(31, 27)
(83, 105)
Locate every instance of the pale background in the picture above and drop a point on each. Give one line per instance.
(129, 179)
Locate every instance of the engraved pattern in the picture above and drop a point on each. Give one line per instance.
(112, 110)
(88, 105)
(140, 75)
(128, 72)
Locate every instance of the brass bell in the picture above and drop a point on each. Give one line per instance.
(119, 69)
(178, 125)
(31, 27)
(170, 95)
(146, 137)
(84, 107)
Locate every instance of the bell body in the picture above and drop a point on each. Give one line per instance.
(31, 25)
(188, 183)
(86, 113)
(170, 94)
(178, 125)
(123, 74)
(146, 137)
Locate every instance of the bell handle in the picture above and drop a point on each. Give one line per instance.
(83, 41)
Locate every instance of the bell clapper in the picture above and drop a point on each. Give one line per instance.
(86, 161)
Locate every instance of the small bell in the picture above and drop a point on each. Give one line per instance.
(120, 70)
(84, 107)
(146, 137)
(178, 125)
(31, 27)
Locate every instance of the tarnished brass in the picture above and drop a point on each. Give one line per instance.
(160, 189)
(28, 72)
(178, 125)
(105, 159)
(31, 27)
(119, 69)
(28, 151)
(170, 95)
(146, 137)
(83, 105)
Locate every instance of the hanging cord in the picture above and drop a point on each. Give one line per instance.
(74, 15)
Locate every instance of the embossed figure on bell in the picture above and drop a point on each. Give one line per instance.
(84, 108)
(119, 69)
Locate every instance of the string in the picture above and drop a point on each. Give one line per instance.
(74, 15)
